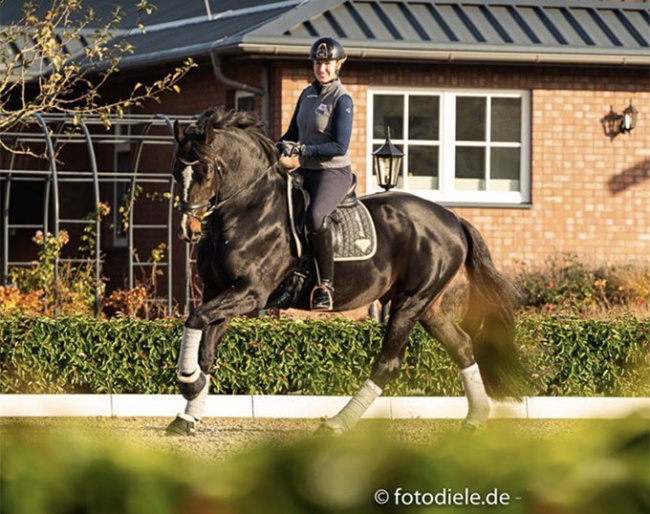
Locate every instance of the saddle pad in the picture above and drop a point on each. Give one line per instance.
(354, 233)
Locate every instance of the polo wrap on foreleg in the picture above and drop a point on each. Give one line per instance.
(360, 402)
(188, 357)
(477, 398)
(196, 407)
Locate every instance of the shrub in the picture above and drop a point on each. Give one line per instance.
(50, 286)
(565, 284)
(56, 286)
(600, 468)
(576, 357)
(567, 356)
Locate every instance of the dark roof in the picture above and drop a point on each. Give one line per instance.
(165, 11)
(194, 38)
(505, 30)
(535, 31)
(175, 30)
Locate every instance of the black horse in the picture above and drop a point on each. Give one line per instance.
(235, 193)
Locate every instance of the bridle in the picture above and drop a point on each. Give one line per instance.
(190, 208)
(210, 205)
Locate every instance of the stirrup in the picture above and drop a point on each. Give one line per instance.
(324, 300)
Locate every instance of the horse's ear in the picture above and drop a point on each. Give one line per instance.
(179, 135)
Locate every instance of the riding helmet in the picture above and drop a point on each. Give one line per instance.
(326, 49)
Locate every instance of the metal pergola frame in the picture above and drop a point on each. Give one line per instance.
(50, 131)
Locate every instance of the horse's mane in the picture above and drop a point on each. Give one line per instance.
(223, 119)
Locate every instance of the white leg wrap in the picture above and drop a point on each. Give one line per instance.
(360, 402)
(477, 398)
(188, 357)
(190, 379)
(196, 407)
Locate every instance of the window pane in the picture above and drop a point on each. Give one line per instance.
(470, 118)
(424, 113)
(506, 119)
(470, 168)
(245, 103)
(388, 111)
(504, 169)
(423, 167)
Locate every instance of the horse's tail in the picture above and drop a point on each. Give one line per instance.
(490, 322)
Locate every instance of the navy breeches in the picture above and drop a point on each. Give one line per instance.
(326, 189)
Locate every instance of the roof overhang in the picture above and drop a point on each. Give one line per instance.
(277, 48)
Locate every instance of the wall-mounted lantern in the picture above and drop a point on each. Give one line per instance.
(628, 121)
(386, 162)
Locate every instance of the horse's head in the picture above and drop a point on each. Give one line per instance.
(195, 172)
(219, 158)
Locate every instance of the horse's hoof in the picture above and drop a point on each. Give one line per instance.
(469, 426)
(192, 390)
(330, 427)
(183, 425)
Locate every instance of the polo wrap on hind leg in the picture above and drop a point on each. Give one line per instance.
(188, 357)
(352, 412)
(477, 398)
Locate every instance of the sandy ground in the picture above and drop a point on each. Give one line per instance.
(219, 438)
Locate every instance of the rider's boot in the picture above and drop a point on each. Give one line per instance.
(322, 242)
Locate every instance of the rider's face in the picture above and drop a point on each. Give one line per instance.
(325, 71)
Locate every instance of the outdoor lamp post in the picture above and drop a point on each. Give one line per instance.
(386, 162)
(628, 122)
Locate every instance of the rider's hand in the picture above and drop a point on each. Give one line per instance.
(289, 163)
(291, 149)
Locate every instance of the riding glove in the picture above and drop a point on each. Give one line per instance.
(290, 149)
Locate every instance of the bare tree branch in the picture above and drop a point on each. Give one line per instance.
(58, 60)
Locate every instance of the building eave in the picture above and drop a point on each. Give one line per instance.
(445, 53)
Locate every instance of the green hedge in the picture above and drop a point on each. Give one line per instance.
(569, 357)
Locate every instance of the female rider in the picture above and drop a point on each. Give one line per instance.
(319, 133)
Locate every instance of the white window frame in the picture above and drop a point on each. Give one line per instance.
(447, 192)
(241, 95)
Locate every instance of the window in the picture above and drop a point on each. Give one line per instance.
(244, 101)
(460, 147)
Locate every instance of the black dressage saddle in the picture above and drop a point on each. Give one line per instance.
(355, 238)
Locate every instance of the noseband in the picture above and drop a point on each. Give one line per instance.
(191, 208)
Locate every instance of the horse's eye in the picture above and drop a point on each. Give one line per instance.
(202, 172)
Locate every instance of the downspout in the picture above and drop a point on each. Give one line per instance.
(228, 82)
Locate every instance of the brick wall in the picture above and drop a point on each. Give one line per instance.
(590, 193)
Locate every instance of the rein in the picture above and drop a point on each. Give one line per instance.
(190, 209)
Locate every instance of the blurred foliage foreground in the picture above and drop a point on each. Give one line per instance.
(599, 467)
